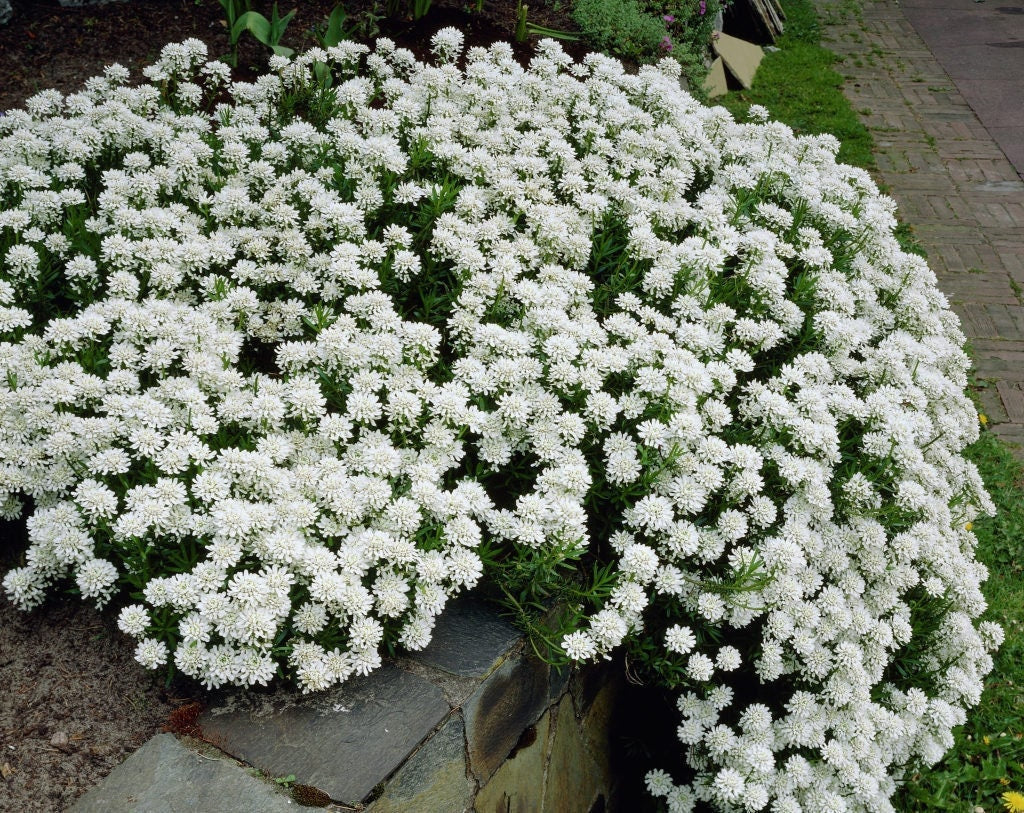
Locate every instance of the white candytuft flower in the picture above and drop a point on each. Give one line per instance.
(324, 370)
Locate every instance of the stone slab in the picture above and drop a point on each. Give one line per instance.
(344, 741)
(716, 84)
(469, 639)
(574, 780)
(559, 681)
(434, 778)
(585, 685)
(164, 776)
(509, 701)
(518, 785)
(740, 57)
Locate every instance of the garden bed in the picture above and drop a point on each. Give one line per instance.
(72, 676)
(695, 374)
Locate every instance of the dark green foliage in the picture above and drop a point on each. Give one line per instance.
(619, 27)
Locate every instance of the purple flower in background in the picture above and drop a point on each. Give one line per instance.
(703, 5)
(668, 18)
(666, 44)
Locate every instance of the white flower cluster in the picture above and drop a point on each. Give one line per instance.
(277, 359)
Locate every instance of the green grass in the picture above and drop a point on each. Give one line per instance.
(799, 86)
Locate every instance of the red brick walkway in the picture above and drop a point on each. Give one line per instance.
(962, 197)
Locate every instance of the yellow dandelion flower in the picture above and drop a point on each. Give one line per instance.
(986, 739)
(1013, 801)
(983, 418)
(969, 526)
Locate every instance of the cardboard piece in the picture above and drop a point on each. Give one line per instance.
(715, 84)
(740, 57)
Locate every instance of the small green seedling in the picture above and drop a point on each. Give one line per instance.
(524, 28)
(551, 33)
(269, 32)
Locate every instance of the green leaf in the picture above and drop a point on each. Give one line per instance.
(553, 33)
(993, 770)
(279, 24)
(323, 74)
(334, 33)
(969, 773)
(255, 23)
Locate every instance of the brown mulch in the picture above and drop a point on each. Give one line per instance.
(73, 702)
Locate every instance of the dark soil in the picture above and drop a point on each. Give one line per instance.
(73, 702)
(48, 46)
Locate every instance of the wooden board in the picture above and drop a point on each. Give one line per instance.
(758, 20)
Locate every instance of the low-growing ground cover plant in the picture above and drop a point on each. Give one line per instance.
(285, 366)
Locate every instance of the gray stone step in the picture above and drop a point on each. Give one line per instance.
(165, 776)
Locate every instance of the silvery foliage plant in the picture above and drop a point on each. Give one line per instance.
(279, 362)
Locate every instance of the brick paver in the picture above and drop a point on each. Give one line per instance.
(960, 194)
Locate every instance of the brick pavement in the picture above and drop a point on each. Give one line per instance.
(955, 188)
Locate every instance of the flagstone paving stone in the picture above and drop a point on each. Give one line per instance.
(434, 778)
(469, 639)
(343, 741)
(508, 702)
(165, 776)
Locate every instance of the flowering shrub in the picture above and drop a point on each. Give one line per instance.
(690, 27)
(287, 365)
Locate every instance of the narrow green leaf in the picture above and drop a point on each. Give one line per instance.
(335, 33)
(255, 23)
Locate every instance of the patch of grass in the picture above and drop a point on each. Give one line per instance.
(799, 86)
